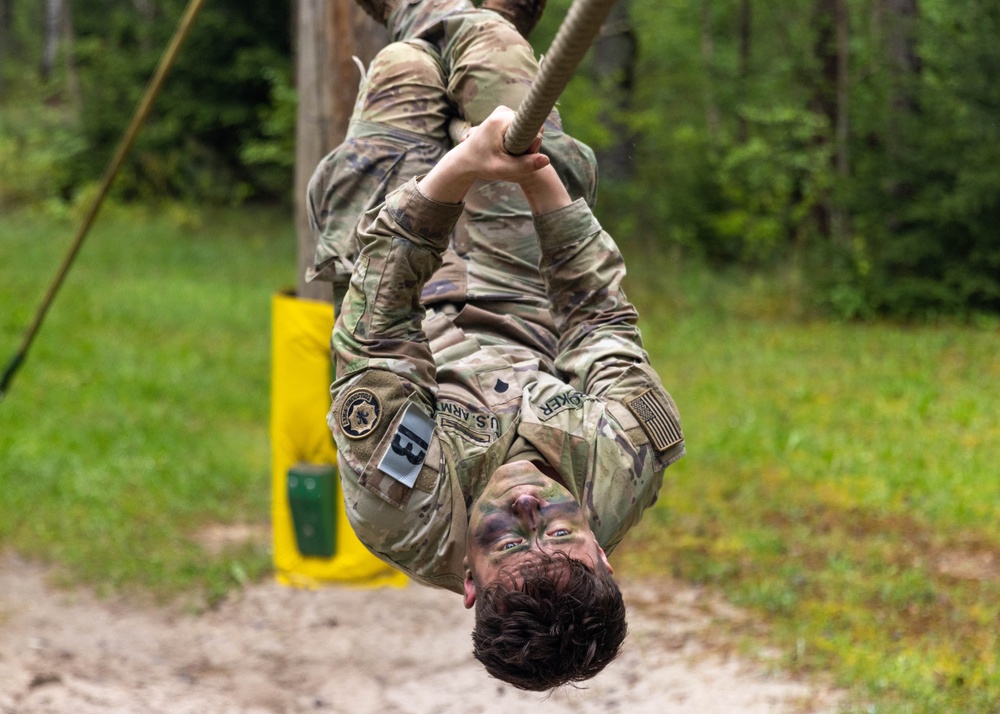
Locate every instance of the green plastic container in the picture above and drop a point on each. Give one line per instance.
(310, 496)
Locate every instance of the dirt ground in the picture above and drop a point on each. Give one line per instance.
(389, 651)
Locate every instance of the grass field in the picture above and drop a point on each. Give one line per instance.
(841, 479)
(141, 413)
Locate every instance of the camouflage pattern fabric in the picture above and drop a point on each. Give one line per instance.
(473, 335)
(493, 382)
(399, 129)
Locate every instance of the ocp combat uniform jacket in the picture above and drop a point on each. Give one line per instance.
(438, 384)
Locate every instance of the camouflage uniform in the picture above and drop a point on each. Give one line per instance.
(455, 352)
(444, 67)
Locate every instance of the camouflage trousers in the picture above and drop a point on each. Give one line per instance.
(448, 60)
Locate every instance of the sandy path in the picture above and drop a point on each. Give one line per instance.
(274, 649)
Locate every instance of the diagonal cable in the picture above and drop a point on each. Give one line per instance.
(124, 146)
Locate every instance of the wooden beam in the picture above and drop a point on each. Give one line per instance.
(329, 33)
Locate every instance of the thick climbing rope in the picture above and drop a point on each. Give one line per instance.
(571, 43)
(575, 35)
(124, 146)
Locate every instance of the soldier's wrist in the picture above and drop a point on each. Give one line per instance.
(450, 179)
(545, 191)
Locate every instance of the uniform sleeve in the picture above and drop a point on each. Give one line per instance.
(382, 414)
(583, 269)
(600, 349)
(379, 323)
(383, 397)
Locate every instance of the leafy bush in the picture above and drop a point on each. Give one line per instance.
(36, 138)
(211, 106)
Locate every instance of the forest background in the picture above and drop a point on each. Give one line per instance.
(856, 141)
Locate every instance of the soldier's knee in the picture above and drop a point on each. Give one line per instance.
(482, 33)
(489, 64)
(406, 63)
(501, 30)
(405, 89)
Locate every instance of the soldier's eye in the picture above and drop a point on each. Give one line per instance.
(509, 544)
(559, 532)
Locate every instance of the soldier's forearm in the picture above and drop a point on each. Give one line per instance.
(545, 191)
(583, 270)
(379, 326)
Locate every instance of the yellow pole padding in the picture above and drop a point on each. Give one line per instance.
(300, 399)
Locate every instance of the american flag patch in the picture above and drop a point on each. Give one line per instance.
(658, 423)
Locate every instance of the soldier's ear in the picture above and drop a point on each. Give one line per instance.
(604, 559)
(470, 589)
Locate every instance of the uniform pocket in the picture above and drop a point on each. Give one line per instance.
(500, 389)
(349, 182)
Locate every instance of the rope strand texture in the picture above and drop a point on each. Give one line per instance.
(571, 43)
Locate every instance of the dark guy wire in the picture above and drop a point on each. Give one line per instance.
(124, 146)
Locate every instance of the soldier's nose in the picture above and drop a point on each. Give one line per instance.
(526, 507)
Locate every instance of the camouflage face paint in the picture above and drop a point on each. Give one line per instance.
(523, 512)
(498, 523)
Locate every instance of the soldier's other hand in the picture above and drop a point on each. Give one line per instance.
(482, 151)
(481, 155)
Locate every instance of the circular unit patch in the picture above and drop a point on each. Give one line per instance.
(360, 414)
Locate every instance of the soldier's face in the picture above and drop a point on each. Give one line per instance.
(521, 514)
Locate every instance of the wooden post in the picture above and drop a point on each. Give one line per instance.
(330, 33)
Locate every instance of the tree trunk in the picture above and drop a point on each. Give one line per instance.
(329, 33)
(830, 99)
(5, 23)
(743, 71)
(53, 10)
(68, 40)
(713, 117)
(824, 92)
(841, 226)
(900, 17)
(146, 9)
(614, 70)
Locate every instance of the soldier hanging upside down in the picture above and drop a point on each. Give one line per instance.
(499, 426)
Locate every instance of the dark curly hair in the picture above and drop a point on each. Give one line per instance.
(564, 623)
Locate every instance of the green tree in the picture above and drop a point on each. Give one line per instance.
(926, 194)
(860, 133)
(228, 87)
